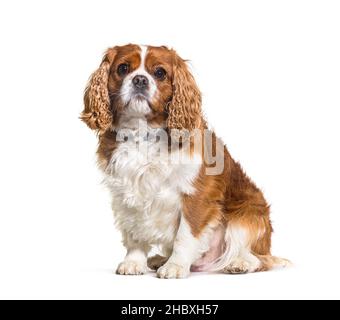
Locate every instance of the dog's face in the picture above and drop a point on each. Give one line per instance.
(142, 81)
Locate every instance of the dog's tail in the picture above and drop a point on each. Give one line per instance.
(269, 262)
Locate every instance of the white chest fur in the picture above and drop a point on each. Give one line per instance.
(147, 187)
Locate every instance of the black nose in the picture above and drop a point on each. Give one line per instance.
(140, 82)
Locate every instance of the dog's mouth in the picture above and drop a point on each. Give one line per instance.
(138, 104)
(140, 96)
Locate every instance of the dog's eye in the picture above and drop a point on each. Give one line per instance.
(160, 73)
(123, 69)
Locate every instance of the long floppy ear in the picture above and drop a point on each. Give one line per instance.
(97, 114)
(185, 107)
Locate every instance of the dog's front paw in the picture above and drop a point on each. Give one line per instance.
(131, 268)
(173, 271)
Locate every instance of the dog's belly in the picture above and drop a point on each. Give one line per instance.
(146, 192)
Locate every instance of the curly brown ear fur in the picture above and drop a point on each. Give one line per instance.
(97, 114)
(185, 107)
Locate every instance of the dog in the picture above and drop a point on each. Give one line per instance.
(173, 183)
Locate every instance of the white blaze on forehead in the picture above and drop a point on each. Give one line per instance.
(127, 89)
(141, 70)
(143, 52)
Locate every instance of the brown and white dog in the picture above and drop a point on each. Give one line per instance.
(173, 183)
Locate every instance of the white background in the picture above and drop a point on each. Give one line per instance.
(270, 76)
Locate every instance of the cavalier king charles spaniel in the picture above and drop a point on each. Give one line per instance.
(173, 183)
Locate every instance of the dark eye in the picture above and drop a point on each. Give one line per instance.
(160, 73)
(123, 69)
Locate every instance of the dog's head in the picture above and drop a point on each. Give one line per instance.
(142, 81)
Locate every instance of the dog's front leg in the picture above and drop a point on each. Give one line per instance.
(135, 259)
(186, 250)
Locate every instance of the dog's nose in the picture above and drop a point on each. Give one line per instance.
(140, 82)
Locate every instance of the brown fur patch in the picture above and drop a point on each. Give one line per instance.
(107, 144)
(230, 197)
